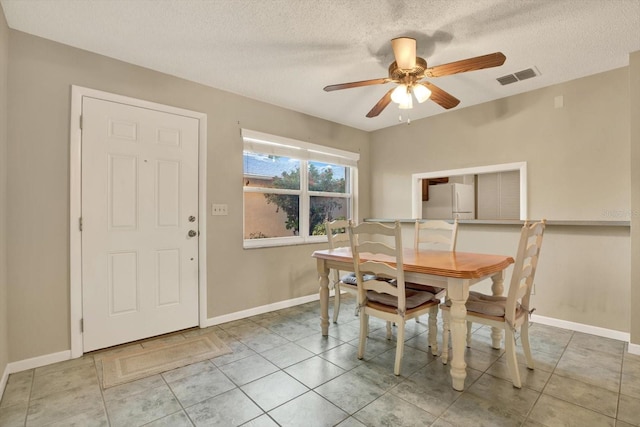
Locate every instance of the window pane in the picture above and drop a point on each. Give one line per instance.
(264, 170)
(329, 208)
(327, 177)
(271, 215)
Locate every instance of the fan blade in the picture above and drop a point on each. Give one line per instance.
(384, 101)
(478, 63)
(440, 97)
(404, 49)
(357, 84)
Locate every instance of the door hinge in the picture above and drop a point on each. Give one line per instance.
(81, 325)
(80, 223)
(80, 122)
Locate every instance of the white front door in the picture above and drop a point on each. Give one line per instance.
(139, 222)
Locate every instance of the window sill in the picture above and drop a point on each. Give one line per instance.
(282, 241)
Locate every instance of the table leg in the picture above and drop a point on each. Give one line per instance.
(497, 288)
(458, 292)
(323, 278)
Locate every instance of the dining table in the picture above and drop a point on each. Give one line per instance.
(455, 271)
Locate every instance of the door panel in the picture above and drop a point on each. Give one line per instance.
(139, 188)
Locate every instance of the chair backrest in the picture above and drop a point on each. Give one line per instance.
(524, 269)
(337, 234)
(436, 234)
(371, 238)
(338, 237)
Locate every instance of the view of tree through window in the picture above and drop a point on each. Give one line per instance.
(320, 178)
(291, 187)
(277, 180)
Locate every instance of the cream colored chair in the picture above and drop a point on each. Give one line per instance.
(385, 296)
(337, 236)
(437, 235)
(511, 312)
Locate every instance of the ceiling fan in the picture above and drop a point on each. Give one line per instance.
(408, 70)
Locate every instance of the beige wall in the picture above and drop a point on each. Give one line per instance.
(578, 169)
(634, 116)
(4, 319)
(41, 73)
(577, 158)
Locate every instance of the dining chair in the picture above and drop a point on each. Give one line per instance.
(337, 236)
(385, 296)
(511, 312)
(439, 235)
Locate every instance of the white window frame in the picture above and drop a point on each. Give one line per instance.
(416, 184)
(263, 143)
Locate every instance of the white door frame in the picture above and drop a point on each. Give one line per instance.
(75, 235)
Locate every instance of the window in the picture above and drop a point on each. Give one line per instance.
(290, 187)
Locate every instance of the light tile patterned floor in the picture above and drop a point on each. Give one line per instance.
(283, 373)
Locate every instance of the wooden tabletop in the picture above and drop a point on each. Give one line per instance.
(463, 265)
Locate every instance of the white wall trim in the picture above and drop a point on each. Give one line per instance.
(3, 381)
(634, 349)
(36, 362)
(416, 185)
(263, 309)
(75, 236)
(579, 327)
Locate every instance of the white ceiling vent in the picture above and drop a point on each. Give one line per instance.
(518, 76)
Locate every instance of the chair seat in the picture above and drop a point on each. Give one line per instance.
(350, 279)
(410, 311)
(438, 292)
(486, 305)
(413, 299)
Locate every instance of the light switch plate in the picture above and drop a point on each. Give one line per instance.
(218, 209)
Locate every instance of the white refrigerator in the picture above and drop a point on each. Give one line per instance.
(449, 201)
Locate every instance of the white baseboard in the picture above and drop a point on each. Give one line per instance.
(36, 362)
(3, 381)
(579, 327)
(634, 349)
(262, 309)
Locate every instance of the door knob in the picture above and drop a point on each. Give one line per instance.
(193, 233)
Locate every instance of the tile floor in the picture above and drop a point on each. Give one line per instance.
(283, 373)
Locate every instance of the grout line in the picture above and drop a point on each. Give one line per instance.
(33, 380)
(104, 402)
(177, 400)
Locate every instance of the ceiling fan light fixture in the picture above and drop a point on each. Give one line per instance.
(401, 94)
(421, 92)
(404, 49)
(407, 104)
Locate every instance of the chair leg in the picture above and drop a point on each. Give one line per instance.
(399, 348)
(364, 331)
(445, 337)
(388, 330)
(336, 302)
(469, 325)
(510, 354)
(524, 337)
(433, 330)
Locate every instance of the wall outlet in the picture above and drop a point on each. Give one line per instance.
(533, 289)
(217, 209)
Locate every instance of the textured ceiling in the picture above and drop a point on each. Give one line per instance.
(285, 51)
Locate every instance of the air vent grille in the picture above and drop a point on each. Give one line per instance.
(525, 74)
(508, 79)
(518, 76)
